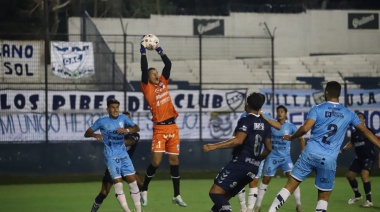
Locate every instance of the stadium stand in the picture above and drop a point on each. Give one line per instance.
(291, 73)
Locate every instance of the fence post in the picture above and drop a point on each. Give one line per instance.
(47, 42)
(200, 88)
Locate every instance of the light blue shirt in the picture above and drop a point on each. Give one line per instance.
(281, 148)
(331, 123)
(113, 141)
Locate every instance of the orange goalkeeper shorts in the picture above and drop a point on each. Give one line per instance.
(166, 139)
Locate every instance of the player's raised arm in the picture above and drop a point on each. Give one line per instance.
(167, 62)
(274, 123)
(309, 123)
(144, 65)
(238, 139)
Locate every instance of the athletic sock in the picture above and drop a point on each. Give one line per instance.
(297, 195)
(280, 199)
(321, 206)
(241, 199)
(174, 172)
(98, 201)
(95, 207)
(120, 196)
(260, 194)
(150, 171)
(252, 197)
(367, 190)
(135, 194)
(354, 186)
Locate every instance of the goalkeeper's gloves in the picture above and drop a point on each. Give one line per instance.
(159, 50)
(142, 49)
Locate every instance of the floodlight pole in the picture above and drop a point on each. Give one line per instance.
(345, 88)
(46, 46)
(272, 61)
(124, 61)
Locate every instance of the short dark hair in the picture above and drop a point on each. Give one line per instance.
(255, 100)
(282, 107)
(360, 113)
(151, 68)
(112, 101)
(333, 89)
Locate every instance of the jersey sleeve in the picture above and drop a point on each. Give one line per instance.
(355, 121)
(242, 125)
(313, 113)
(96, 126)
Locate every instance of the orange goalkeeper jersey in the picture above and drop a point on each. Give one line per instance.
(159, 100)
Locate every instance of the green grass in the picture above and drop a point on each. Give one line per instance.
(72, 197)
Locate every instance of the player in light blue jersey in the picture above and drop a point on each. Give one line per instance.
(328, 123)
(112, 130)
(279, 157)
(252, 195)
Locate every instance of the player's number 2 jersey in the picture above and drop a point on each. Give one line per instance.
(331, 123)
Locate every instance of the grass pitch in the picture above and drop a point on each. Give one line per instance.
(73, 197)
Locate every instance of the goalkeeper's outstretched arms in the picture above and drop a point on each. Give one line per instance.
(167, 62)
(144, 65)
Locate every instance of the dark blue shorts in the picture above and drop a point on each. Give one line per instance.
(358, 165)
(235, 176)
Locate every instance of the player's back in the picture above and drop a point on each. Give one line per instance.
(329, 130)
(257, 129)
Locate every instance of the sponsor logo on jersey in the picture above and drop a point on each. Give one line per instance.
(258, 126)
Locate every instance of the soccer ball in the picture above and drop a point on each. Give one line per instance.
(150, 42)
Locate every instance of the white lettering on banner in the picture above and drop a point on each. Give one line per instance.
(30, 127)
(20, 59)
